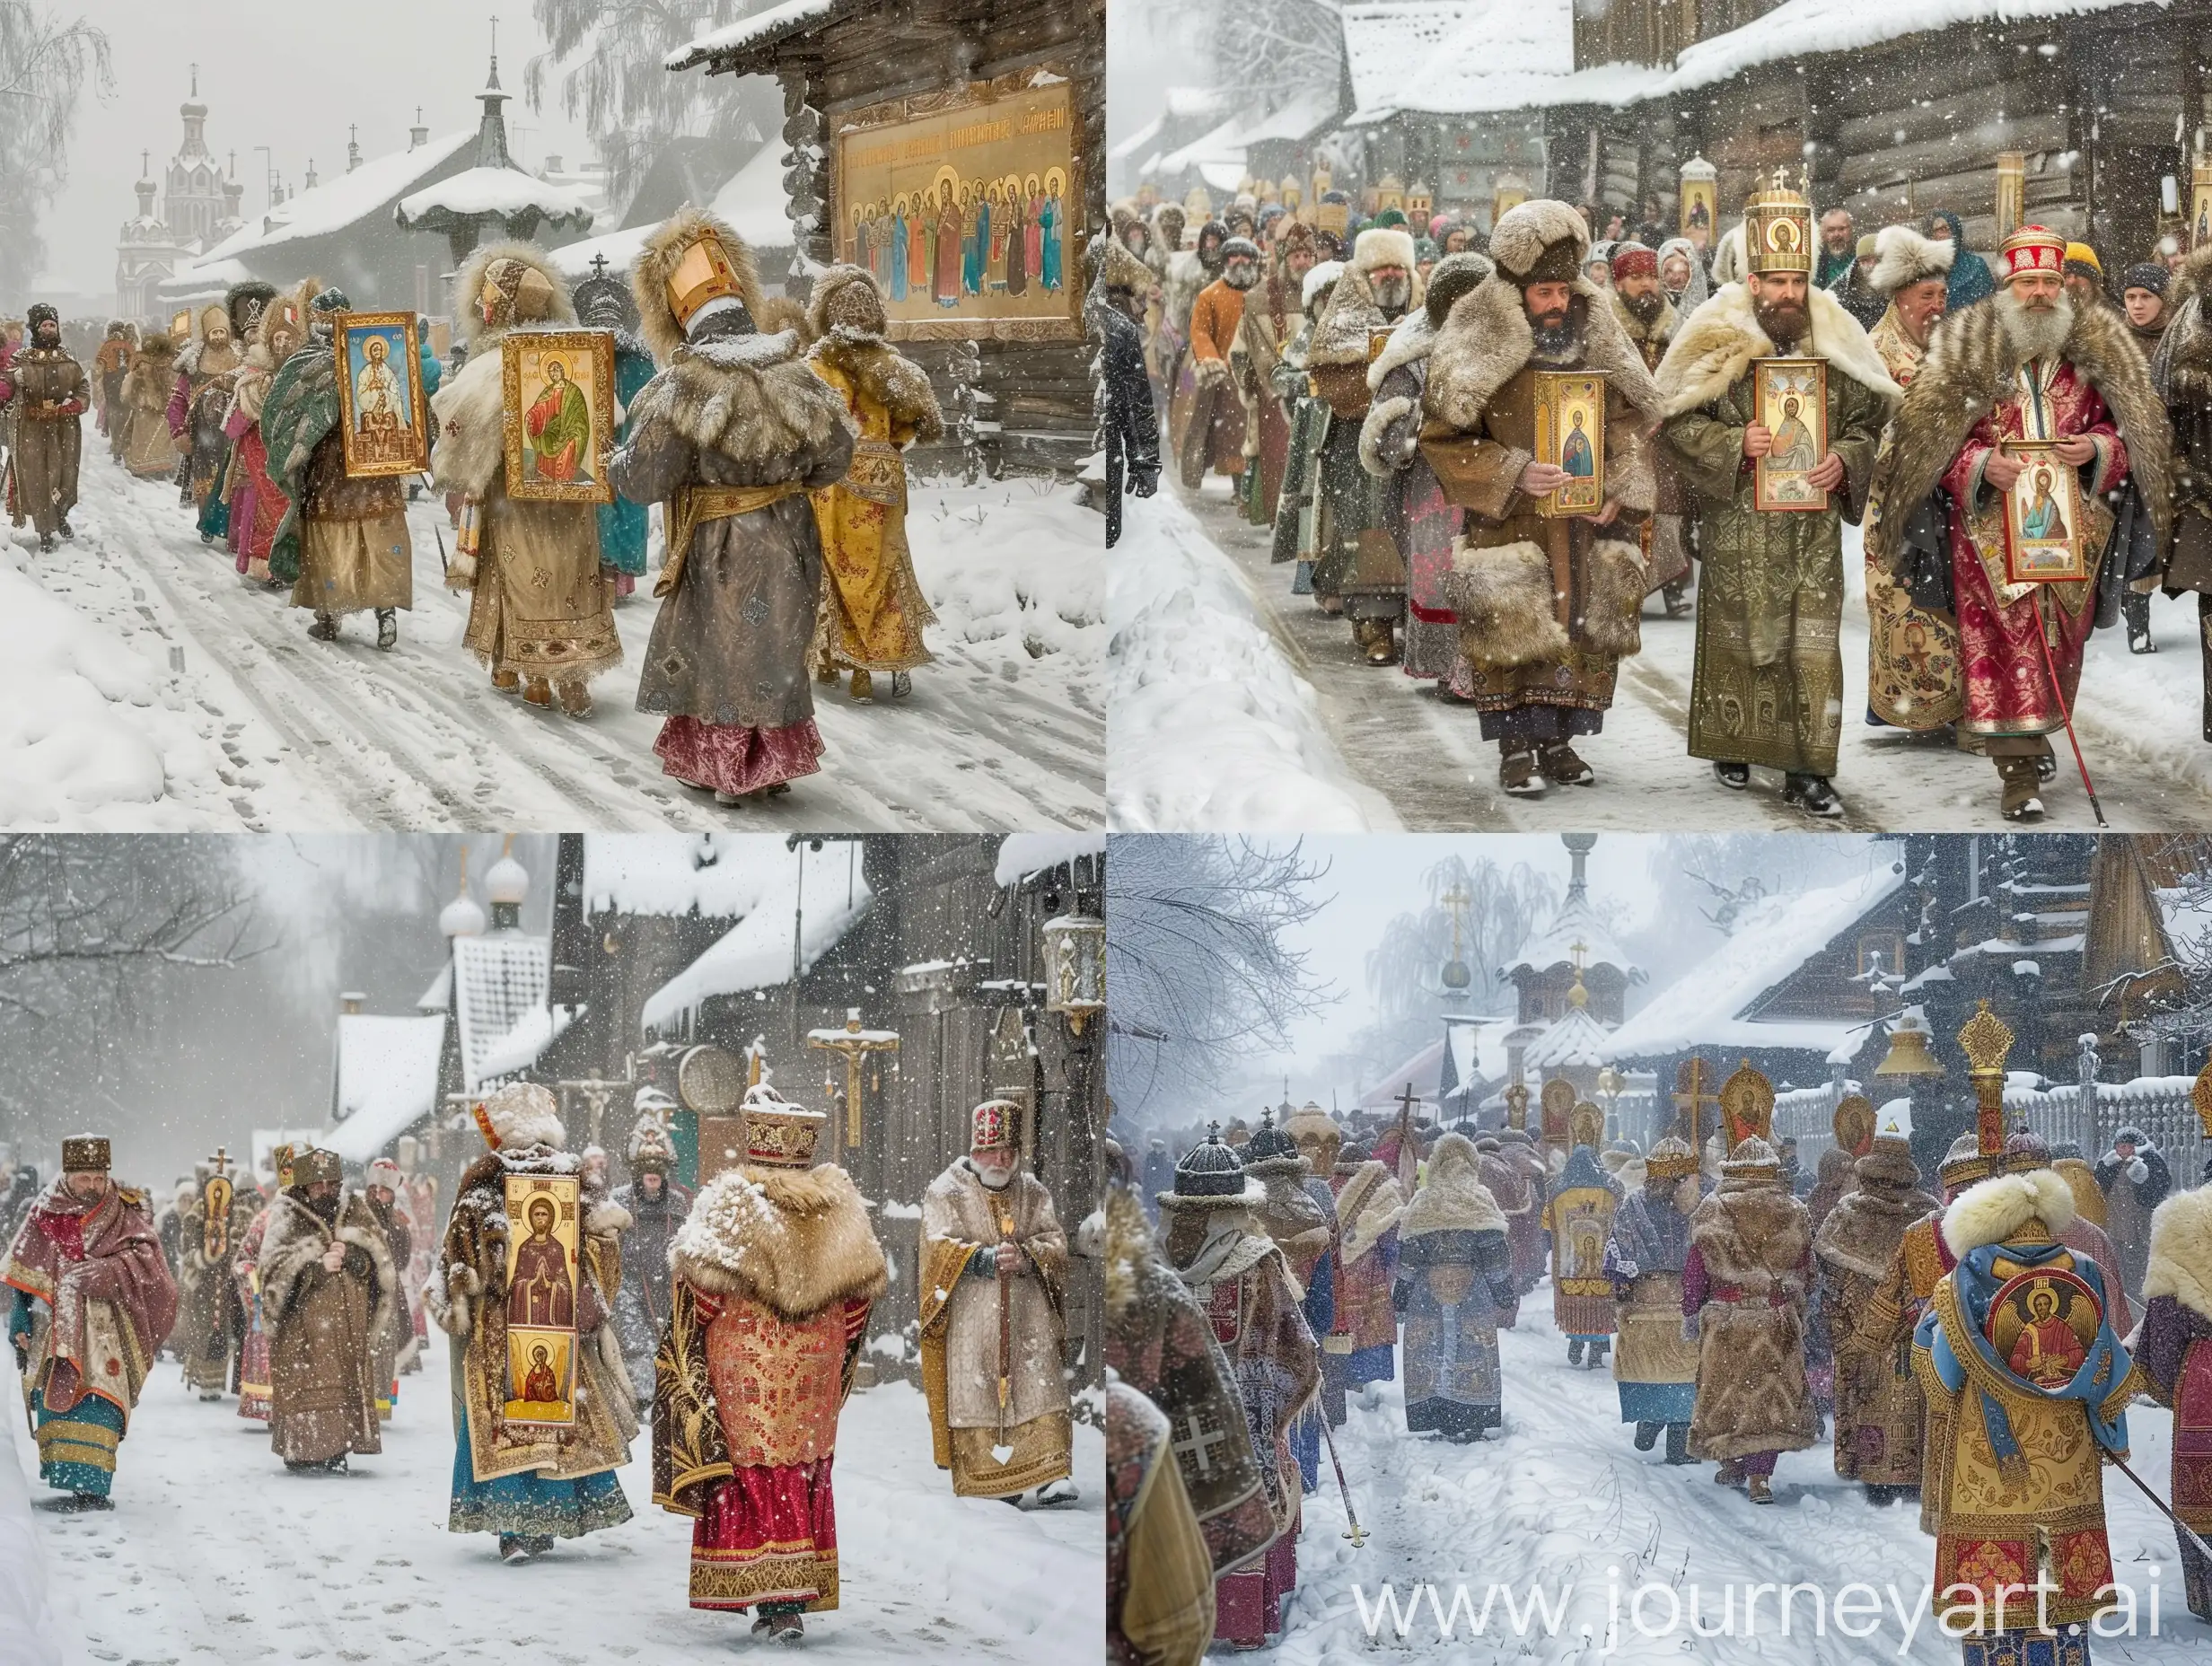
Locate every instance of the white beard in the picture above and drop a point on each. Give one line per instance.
(2035, 335)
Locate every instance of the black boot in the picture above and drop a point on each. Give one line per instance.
(1733, 776)
(1678, 1444)
(1599, 1352)
(1647, 1436)
(1811, 795)
(1574, 1350)
(2136, 607)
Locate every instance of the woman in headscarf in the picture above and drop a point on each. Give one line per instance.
(1970, 274)
(1693, 290)
(1454, 1286)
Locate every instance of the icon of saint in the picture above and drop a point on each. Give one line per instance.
(542, 1292)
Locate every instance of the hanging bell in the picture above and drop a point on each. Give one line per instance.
(1909, 1054)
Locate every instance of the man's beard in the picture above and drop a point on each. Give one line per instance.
(2034, 333)
(1241, 275)
(1554, 333)
(1393, 294)
(998, 1179)
(1209, 260)
(1645, 309)
(1785, 322)
(324, 1209)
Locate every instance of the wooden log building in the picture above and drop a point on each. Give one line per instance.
(838, 60)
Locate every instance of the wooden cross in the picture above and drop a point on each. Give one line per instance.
(1690, 1099)
(856, 1045)
(599, 266)
(220, 1161)
(1197, 1442)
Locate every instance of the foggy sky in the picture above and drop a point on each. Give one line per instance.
(289, 77)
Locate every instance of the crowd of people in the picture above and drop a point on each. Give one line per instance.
(1264, 1280)
(730, 1317)
(770, 434)
(1377, 393)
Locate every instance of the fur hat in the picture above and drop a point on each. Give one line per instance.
(1540, 240)
(1751, 1158)
(1240, 249)
(1384, 245)
(1118, 267)
(385, 1173)
(524, 286)
(1629, 258)
(844, 297)
(520, 1114)
(42, 313)
(1318, 278)
(244, 304)
(1451, 277)
(1903, 257)
(658, 262)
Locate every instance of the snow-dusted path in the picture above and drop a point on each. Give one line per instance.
(1005, 731)
(2139, 729)
(215, 1554)
(1560, 1496)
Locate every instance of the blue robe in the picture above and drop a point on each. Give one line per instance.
(529, 1503)
(622, 524)
(77, 1448)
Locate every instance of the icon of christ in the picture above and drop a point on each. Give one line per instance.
(1575, 455)
(541, 1291)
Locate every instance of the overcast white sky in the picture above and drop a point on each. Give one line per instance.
(290, 76)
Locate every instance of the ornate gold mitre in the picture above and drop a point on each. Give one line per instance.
(704, 273)
(85, 1153)
(779, 1133)
(1986, 1043)
(1778, 229)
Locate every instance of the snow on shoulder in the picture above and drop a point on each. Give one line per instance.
(1212, 730)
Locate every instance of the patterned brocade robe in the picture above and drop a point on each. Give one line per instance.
(2174, 1352)
(959, 1335)
(1912, 656)
(323, 1327)
(1768, 689)
(1879, 1410)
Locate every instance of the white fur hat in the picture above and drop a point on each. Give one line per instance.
(1384, 245)
(1318, 278)
(519, 1114)
(1902, 256)
(385, 1173)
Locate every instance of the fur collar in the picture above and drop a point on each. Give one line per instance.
(294, 1242)
(1488, 340)
(1661, 329)
(1411, 341)
(1452, 1198)
(2181, 1258)
(763, 410)
(657, 262)
(1368, 1206)
(884, 375)
(1714, 347)
(1992, 1210)
(469, 408)
(796, 1239)
(1971, 365)
(1341, 335)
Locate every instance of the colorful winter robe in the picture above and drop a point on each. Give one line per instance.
(1362, 1343)
(960, 1316)
(775, 1270)
(1455, 1284)
(47, 395)
(2173, 1350)
(1912, 653)
(93, 1304)
(323, 1327)
(1879, 1410)
(1579, 1215)
(1415, 514)
(1654, 1366)
(209, 1315)
(1745, 1282)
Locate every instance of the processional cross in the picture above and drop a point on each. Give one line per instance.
(1691, 1098)
(856, 1044)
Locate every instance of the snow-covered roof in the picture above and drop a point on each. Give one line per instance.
(751, 200)
(1423, 1070)
(206, 274)
(1218, 148)
(498, 977)
(387, 1079)
(1714, 1004)
(758, 951)
(439, 996)
(1195, 100)
(763, 28)
(1476, 1048)
(1494, 56)
(1574, 1041)
(1022, 854)
(508, 192)
(1575, 923)
(534, 1031)
(1137, 140)
(346, 199)
(719, 875)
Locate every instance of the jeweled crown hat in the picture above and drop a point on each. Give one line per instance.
(703, 272)
(2031, 249)
(310, 1166)
(1751, 1156)
(780, 1134)
(1670, 1159)
(85, 1153)
(1777, 230)
(994, 1126)
(1210, 1168)
(1963, 1165)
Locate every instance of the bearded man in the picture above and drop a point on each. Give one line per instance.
(1360, 577)
(1547, 605)
(46, 395)
(1415, 514)
(993, 1321)
(1912, 642)
(2034, 365)
(1215, 438)
(328, 1285)
(93, 1304)
(1649, 319)
(1263, 333)
(1768, 689)
(1189, 272)
(198, 404)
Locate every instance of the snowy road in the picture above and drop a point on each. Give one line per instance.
(214, 1553)
(1560, 1498)
(2138, 726)
(257, 728)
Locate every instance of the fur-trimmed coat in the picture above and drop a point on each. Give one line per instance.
(1878, 1410)
(2174, 1346)
(736, 408)
(149, 450)
(1745, 1286)
(2181, 373)
(323, 1328)
(1547, 607)
(959, 1217)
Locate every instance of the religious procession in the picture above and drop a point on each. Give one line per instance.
(1558, 1315)
(1574, 427)
(623, 1292)
(470, 441)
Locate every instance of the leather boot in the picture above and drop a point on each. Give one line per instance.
(1517, 773)
(2022, 802)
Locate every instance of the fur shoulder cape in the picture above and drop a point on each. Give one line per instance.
(1714, 348)
(1487, 338)
(1992, 1210)
(293, 1244)
(796, 1239)
(1971, 365)
(1755, 1238)
(884, 375)
(1452, 1198)
(470, 411)
(1660, 329)
(2181, 1258)
(753, 400)
(1340, 334)
(1368, 1208)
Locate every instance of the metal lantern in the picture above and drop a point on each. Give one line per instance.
(1909, 1054)
(1075, 968)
